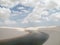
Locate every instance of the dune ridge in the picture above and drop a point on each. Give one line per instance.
(29, 28)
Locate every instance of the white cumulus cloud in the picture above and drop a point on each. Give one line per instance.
(4, 13)
(55, 17)
(9, 22)
(11, 3)
(36, 15)
(8, 3)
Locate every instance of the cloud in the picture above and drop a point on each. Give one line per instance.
(8, 3)
(35, 15)
(1, 23)
(55, 17)
(52, 4)
(9, 22)
(4, 13)
(39, 15)
(57, 1)
(32, 18)
(11, 3)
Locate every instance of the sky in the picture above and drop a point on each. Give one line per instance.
(29, 13)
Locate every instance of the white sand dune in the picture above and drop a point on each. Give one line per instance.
(9, 32)
(53, 31)
(54, 37)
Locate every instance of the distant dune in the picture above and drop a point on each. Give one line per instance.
(16, 28)
(10, 32)
(52, 31)
(56, 28)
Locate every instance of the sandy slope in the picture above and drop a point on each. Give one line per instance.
(54, 37)
(54, 33)
(8, 33)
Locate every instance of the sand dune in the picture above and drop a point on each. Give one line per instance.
(12, 36)
(9, 32)
(14, 28)
(54, 37)
(52, 31)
